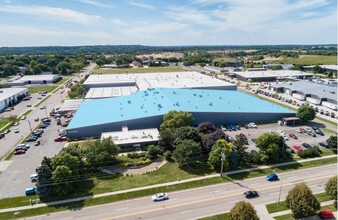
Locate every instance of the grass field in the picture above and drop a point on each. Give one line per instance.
(223, 216)
(4, 122)
(62, 81)
(219, 59)
(289, 216)
(36, 89)
(140, 70)
(310, 60)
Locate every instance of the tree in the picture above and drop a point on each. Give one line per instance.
(153, 151)
(44, 182)
(65, 159)
(272, 147)
(240, 150)
(166, 140)
(210, 139)
(99, 62)
(176, 119)
(332, 141)
(301, 201)
(206, 128)
(331, 188)
(214, 160)
(12, 118)
(306, 113)
(243, 211)
(62, 178)
(76, 91)
(186, 133)
(188, 152)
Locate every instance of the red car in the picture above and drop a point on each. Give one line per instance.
(302, 130)
(60, 138)
(293, 136)
(19, 152)
(326, 214)
(297, 147)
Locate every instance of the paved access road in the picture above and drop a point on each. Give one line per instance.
(195, 203)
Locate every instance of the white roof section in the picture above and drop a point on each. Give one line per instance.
(38, 77)
(130, 137)
(70, 105)
(105, 92)
(153, 80)
(328, 67)
(9, 92)
(274, 73)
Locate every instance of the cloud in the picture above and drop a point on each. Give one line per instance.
(142, 5)
(51, 13)
(96, 3)
(117, 21)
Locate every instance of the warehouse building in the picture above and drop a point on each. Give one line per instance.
(145, 109)
(106, 92)
(270, 76)
(10, 96)
(215, 69)
(315, 93)
(35, 79)
(154, 80)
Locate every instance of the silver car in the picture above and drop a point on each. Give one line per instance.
(160, 197)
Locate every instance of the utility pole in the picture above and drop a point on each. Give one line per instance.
(280, 188)
(222, 159)
(30, 127)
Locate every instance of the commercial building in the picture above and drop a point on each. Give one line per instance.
(70, 105)
(154, 80)
(329, 68)
(9, 96)
(145, 109)
(35, 79)
(106, 92)
(315, 93)
(269, 76)
(215, 69)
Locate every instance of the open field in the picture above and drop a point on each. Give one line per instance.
(140, 70)
(223, 216)
(224, 59)
(310, 60)
(36, 89)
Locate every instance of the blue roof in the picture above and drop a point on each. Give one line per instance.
(159, 101)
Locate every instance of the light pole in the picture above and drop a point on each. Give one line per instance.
(30, 127)
(46, 112)
(280, 188)
(222, 159)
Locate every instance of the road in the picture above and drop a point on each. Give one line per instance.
(204, 201)
(14, 177)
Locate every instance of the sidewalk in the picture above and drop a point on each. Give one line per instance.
(289, 211)
(156, 185)
(262, 212)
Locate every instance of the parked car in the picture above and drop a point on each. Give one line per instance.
(302, 130)
(311, 134)
(252, 125)
(37, 143)
(34, 178)
(160, 197)
(18, 152)
(28, 106)
(323, 144)
(250, 194)
(296, 147)
(333, 115)
(2, 135)
(222, 126)
(298, 130)
(16, 123)
(31, 139)
(326, 214)
(272, 177)
(60, 139)
(7, 131)
(293, 136)
(31, 191)
(43, 126)
(23, 117)
(306, 145)
(318, 131)
(36, 119)
(321, 112)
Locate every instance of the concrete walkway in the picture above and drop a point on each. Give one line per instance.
(262, 212)
(289, 211)
(157, 185)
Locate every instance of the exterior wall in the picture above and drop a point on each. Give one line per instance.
(155, 122)
(99, 85)
(313, 100)
(329, 105)
(298, 96)
(5, 103)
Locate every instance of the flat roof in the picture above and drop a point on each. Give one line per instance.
(9, 92)
(273, 73)
(70, 105)
(311, 88)
(159, 101)
(105, 92)
(133, 136)
(143, 81)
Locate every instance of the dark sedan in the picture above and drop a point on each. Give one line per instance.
(250, 194)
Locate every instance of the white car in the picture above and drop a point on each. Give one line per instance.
(36, 119)
(252, 125)
(23, 117)
(298, 130)
(16, 123)
(34, 177)
(16, 130)
(160, 197)
(285, 138)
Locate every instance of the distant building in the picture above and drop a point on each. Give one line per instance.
(272, 65)
(255, 69)
(136, 64)
(329, 68)
(35, 79)
(154, 63)
(215, 69)
(9, 96)
(234, 63)
(270, 76)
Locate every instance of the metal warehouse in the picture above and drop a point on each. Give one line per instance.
(315, 93)
(154, 80)
(145, 109)
(268, 76)
(35, 79)
(9, 96)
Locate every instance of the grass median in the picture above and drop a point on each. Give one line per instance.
(42, 101)
(331, 208)
(23, 201)
(36, 89)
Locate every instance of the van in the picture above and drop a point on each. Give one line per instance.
(30, 191)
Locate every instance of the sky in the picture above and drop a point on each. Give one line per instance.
(167, 22)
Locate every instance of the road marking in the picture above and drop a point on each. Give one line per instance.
(186, 211)
(121, 209)
(233, 202)
(255, 184)
(207, 200)
(292, 177)
(216, 191)
(275, 193)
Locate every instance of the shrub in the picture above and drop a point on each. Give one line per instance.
(312, 152)
(168, 155)
(153, 151)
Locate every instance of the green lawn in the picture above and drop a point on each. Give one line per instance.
(223, 216)
(43, 100)
(289, 216)
(329, 131)
(140, 70)
(63, 80)
(310, 60)
(36, 89)
(274, 207)
(4, 122)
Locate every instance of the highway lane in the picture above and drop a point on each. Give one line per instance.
(193, 203)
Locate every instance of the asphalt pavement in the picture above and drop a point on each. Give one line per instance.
(204, 201)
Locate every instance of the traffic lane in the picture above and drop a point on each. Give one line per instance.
(188, 199)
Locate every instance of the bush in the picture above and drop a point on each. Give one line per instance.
(153, 151)
(313, 152)
(168, 155)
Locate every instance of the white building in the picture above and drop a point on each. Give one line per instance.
(9, 96)
(35, 79)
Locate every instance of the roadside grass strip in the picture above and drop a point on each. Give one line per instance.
(331, 208)
(43, 100)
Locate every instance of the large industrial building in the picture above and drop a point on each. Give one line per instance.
(9, 96)
(154, 80)
(144, 109)
(315, 93)
(269, 76)
(35, 79)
